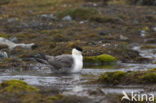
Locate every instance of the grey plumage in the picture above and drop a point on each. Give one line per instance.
(60, 64)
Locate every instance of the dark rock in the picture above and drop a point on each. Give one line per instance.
(143, 2)
(103, 33)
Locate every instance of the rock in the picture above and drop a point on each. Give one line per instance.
(48, 16)
(154, 29)
(94, 4)
(103, 33)
(3, 54)
(67, 18)
(82, 22)
(142, 33)
(12, 20)
(123, 37)
(14, 39)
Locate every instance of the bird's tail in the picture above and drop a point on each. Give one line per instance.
(41, 58)
(42, 55)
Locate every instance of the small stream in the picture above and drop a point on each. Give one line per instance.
(74, 84)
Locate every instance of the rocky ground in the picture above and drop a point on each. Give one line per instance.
(55, 26)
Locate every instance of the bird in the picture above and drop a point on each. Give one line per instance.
(65, 63)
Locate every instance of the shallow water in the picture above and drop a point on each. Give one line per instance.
(70, 84)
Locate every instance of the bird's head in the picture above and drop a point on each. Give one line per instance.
(77, 51)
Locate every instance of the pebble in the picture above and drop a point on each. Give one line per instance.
(82, 22)
(123, 37)
(154, 29)
(3, 54)
(48, 16)
(67, 18)
(143, 33)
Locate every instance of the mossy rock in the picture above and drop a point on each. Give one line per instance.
(54, 98)
(120, 77)
(149, 77)
(99, 60)
(16, 86)
(78, 13)
(111, 77)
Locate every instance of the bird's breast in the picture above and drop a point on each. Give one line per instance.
(78, 64)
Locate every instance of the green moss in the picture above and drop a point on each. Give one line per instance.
(148, 47)
(120, 77)
(3, 35)
(78, 13)
(106, 58)
(100, 60)
(54, 98)
(149, 77)
(16, 86)
(118, 2)
(153, 70)
(111, 77)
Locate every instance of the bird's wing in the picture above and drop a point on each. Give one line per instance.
(61, 62)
